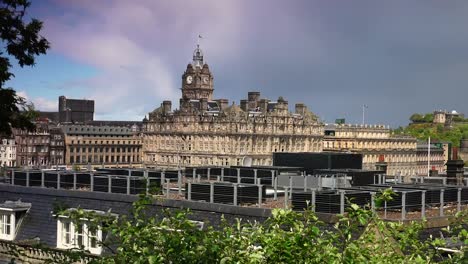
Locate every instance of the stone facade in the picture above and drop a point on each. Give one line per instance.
(207, 131)
(71, 111)
(101, 145)
(437, 159)
(446, 118)
(463, 153)
(376, 143)
(32, 148)
(57, 146)
(7, 153)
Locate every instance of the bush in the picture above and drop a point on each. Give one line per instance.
(286, 237)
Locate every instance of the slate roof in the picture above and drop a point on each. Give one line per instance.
(40, 224)
(15, 205)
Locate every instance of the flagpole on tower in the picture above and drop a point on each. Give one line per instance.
(364, 113)
(198, 40)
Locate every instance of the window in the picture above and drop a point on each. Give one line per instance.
(11, 216)
(5, 226)
(82, 234)
(78, 235)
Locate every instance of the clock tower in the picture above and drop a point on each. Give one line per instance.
(197, 80)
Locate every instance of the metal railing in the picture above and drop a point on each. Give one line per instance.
(298, 192)
(83, 181)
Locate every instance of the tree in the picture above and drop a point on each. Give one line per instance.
(359, 236)
(22, 42)
(415, 118)
(428, 118)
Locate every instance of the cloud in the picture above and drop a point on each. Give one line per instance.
(398, 57)
(130, 43)
(40, 103)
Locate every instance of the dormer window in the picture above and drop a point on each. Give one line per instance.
(11, 217)
(78, 235)
(83, 233)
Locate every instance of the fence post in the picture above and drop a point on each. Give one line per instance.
(459, 199)
(403, 205)
(235, 194)
(208, 172)
(12, 177)
(441, 209)
(148, 185)
(238, 176)
(372, 201)
(199, 178)
(189, 190)
(109, 184)
(27, 178)
(260, 192)
(218, 179)
(42, 179)
(286, 196)
(222, 174)
(163, 180)
(58, 181)
(423, 204)
(168, 190)
(290, 184)
(211, 192)
(342, 201)
(128, 184)
(305, 182)
(385, 209)
(255, 176)
(91, 181)
(179, 181)
(444, 181)
(194, 174)
(74, 181)
(274, 182)
(313, 199)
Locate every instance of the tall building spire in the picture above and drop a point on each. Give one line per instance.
(198, 55)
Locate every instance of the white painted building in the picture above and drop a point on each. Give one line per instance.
(8, 152)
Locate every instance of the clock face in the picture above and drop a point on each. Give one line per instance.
(189, 79)
(205, 80)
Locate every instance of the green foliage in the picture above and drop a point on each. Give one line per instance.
(384, 196)
(422, 118)
(22, 42)
(286, 237)
(415, 118)
(428, 118)
(423, 131)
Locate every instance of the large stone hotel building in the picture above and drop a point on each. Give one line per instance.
(208, 131)
(376, 143)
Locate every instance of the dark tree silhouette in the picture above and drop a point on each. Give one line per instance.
(20, 40)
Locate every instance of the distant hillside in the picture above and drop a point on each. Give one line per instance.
(418, 118)
(423, 131)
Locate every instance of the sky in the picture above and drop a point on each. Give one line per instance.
(396, 57)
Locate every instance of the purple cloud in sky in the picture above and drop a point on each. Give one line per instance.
(398, 57)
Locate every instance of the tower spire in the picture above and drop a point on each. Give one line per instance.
(198, 40)
(198, 54)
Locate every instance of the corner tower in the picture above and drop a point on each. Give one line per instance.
(197, 80)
